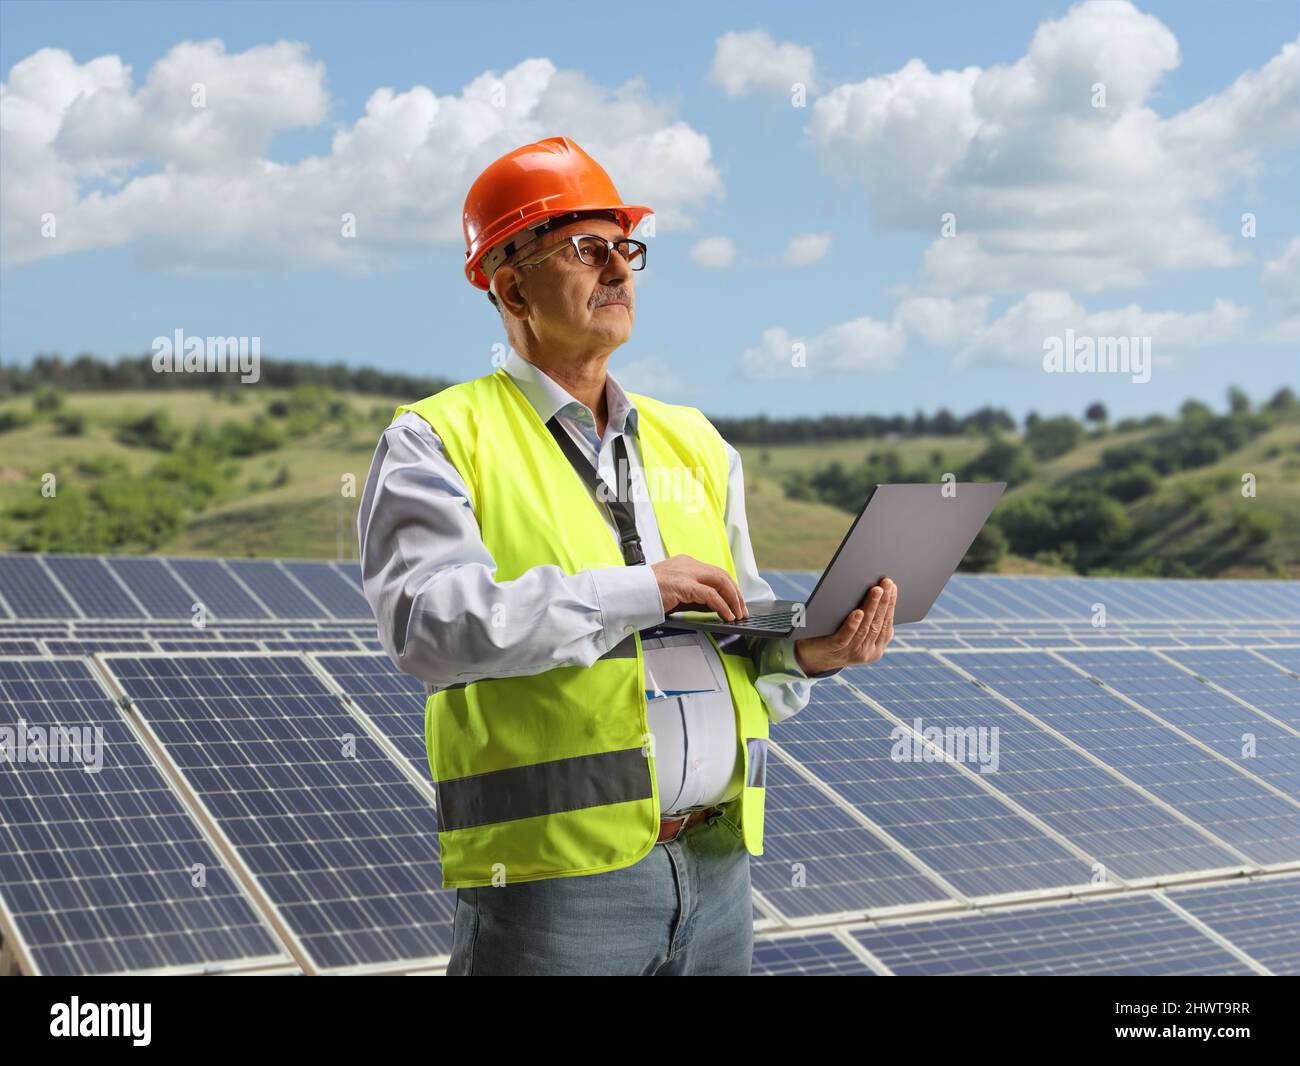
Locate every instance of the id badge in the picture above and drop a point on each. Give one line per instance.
(676, 669)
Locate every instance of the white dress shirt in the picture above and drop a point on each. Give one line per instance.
(430, 582)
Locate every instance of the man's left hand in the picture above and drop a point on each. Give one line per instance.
(862, 637)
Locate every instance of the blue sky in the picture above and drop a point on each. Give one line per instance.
(1118, 221)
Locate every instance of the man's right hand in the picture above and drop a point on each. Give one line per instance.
(688, 584)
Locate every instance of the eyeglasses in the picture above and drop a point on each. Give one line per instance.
(594, 251)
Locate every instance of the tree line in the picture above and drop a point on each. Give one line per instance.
(88, 373)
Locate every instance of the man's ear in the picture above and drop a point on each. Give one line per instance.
(510, 297)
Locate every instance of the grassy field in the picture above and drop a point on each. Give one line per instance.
(298, 518)
(288, 502)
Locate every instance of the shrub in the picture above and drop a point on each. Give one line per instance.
(1002, 460)
(68, 522)
(249, 438)
(137, 512)
(1050, 519)
(47, 400)
(101, 465)
(1051, 437)
(71, 423)
(1133, 483)
(14, 419)
(194, 476)
(1256, 526)
(986, 551)
(153, 430)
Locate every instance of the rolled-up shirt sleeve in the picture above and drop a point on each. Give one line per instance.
(782, 682)
(430, 580)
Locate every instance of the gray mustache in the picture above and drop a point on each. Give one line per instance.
(611, 296)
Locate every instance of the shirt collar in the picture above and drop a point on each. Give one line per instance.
(549, 397)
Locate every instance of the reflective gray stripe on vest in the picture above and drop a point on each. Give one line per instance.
(543, 788)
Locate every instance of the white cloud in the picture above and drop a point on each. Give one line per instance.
(1046, 189)
(714, 253)
(940, 321)
(804, 249)
(1280, 280)
(866, 345)
(861, 345)
(1017, 336)
(1287, 331)
(193, 189)
(747, 61)
(1281, 277)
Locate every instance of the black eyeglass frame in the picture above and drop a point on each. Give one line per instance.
(573, 239)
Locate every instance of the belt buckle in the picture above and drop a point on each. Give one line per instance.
(681, 825)
(686, 820)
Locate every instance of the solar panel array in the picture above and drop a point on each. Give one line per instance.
(1046, 776)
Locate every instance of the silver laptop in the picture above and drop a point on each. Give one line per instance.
(916, 535)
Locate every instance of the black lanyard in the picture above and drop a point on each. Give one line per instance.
(622, 510)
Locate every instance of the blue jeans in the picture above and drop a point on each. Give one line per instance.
(684, 909)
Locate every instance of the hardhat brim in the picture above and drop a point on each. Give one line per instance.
(504, 228)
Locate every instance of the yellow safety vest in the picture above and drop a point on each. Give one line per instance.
(552, 775)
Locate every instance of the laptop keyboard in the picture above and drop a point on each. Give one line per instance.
(776, 620)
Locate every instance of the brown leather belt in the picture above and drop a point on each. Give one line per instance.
(672, 828)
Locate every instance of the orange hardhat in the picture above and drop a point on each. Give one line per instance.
(528, 188)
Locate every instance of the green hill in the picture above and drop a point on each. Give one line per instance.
(275, 471)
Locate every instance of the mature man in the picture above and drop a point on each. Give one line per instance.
(599, 774)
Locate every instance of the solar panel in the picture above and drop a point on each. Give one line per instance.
(819, 859)
(1260, 916)
(989, 642)
(1264, 599)
(351, 571)
(1249, 740)
(223, 596)
(310, 644)
(938, 643)
(339, 596)
(1104, 818)
(29, 590)
(394, 701)
(156, 588)
(954, 604)
(975, 841)
(226, 631)
(987, 599)
(282, 595)
(21, 631)
(90, 647)
(224, 645)
(344, 848)
(812, 955)
(789, 585)
(343, 842)
(97, 868)
(1054, 598)
(104, 630)
(1263, 827)
(1289, 658)
(1130, 936)
(93, 586)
